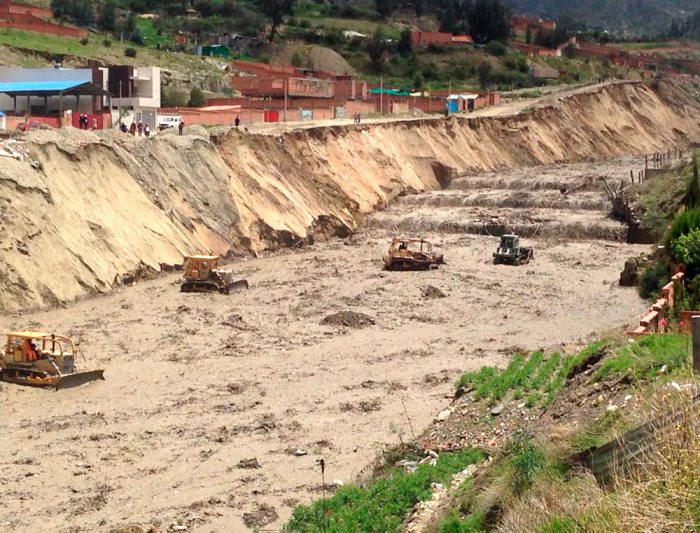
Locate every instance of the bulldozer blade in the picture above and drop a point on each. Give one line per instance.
(238, 285)
(77, 379)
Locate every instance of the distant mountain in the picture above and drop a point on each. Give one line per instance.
(629, 18)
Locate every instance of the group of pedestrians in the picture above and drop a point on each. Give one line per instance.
(356, 118)
(136, 127)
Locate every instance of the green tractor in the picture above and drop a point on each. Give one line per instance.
(510, 252)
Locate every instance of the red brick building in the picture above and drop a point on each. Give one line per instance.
(424, 38)
(35, 19)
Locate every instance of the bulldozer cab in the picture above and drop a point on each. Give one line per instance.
(39, 350)
(508, 243)
(42, 359)
(405, 246)
(200, 267)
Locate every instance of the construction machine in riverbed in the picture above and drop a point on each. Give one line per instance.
(411, 254)
(42, 360)
(510, 252)
(202, 275)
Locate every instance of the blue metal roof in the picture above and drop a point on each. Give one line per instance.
(39, 86)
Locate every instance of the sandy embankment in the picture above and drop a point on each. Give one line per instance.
(102, 205)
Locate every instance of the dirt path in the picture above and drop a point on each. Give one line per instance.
(508, 107)
(196, 384)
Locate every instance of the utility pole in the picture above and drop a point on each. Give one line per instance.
(381, 95)
(286, 85)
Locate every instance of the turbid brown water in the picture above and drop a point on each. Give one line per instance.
(198, 385)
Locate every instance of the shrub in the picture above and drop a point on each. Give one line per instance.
(296, 59)
(106, 43)
(682, 224)
(495, 48)
(652, 279)
(334, 37)
(84, 41)
(686, 250)
(196, 97)
(434, 48)
(171, 96)
(526, 459)
(130, 52)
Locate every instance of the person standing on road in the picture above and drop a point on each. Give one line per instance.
(132, 129)
(94, 123)
(180, 127)
(140, 128)
(147, 130)
(237, 122)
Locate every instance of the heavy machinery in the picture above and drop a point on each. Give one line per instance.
(201, 275)
(510, 252)
(42, 360)
(411, 254)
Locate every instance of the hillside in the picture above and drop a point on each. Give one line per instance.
(625, 17)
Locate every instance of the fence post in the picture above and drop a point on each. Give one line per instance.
(695, 319)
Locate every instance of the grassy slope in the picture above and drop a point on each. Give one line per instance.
(384, 503)
(533, 474)
(187, 65)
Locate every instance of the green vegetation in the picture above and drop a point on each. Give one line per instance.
(652, 279)
(535, 377)
(382, 506)
(597, 432)
(509, 478)
(525, 459)
(672, 201)
(642, 359)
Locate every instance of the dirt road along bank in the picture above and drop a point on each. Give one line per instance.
(67, 227)
(216, 409)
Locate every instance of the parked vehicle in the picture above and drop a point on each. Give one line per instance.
(168, 121)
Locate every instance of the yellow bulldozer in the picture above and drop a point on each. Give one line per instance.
(42, 360)
(202, 275)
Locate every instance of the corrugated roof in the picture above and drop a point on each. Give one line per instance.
(39, 86)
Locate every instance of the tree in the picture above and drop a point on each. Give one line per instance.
(275, 11)
(528, 35)
(569, 51)
(488, 20)
(384, 7)
(484, 73)
(79, 11)
(376, 48)
(196, 97)
(108, 17)
(136, 37)
(418, 7)
(418, 82)
(405, 45)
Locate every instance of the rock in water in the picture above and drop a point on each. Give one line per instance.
(349, 319)
(433, 292)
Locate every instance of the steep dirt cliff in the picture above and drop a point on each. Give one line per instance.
(100, 205)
